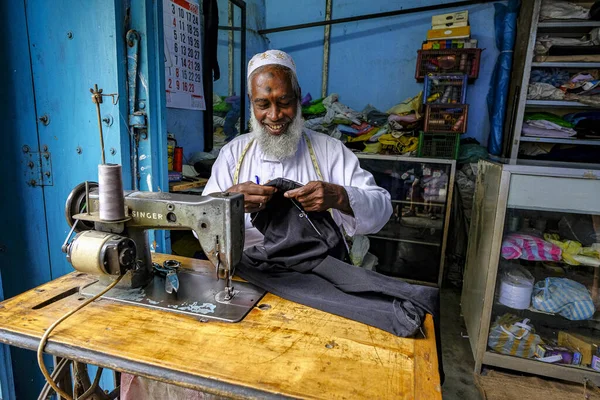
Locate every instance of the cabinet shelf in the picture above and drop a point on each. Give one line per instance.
(419, 203)
(571, 26)
(559, 371)
(555, 64)
(531, 313)
(396, 239)
(555, 103)
(590, 142)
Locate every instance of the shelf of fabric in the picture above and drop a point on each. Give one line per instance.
(560, 140)
(556, 103)
(566, 64)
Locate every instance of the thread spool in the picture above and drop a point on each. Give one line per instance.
(178, 159)
(516, 286)
(447, 93)
(458, 125)
(463, 62)
(110, 188)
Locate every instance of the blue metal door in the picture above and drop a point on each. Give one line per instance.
(51, 54)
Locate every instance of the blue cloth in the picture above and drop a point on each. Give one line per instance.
(575, 118)
(565, 297)
(553, 76)
(505, 22)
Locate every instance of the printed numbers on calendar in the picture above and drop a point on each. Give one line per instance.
(181, 20)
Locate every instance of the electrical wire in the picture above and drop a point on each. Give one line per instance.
(40, 350)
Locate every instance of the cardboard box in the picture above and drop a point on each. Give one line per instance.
(450, 25)
(463, 32)
(455, 20)
(584, 344)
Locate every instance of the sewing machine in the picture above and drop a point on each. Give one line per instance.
(121, 247)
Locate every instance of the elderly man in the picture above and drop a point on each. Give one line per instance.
(280, 147)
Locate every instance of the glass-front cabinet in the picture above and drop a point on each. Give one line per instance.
(531, 297)
(412, 244)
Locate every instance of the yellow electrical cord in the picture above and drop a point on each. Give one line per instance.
(40, 350)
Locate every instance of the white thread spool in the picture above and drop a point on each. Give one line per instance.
(110, 188)
(516, 286)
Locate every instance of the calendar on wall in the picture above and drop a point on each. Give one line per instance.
(183, 61)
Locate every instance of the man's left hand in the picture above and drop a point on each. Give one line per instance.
(321, 196)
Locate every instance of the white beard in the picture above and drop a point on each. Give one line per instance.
(282, 146)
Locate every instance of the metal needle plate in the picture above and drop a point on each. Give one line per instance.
(197, 296)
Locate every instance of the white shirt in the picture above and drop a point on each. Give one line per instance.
(371, 204)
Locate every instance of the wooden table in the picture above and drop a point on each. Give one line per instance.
(287, 350)
(187, 185)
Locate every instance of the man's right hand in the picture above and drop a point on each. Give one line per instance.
(255, 196)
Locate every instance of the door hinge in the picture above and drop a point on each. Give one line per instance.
(137, 120)
(38, 167)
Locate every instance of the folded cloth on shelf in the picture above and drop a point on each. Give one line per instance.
(593, 101)
(553, 76)
(573, 253)
(546, 116)
(575, 118)
(558, 9)
(531, 130)
(544, 91)
(545, 44)
(528, 247)
(545, 124)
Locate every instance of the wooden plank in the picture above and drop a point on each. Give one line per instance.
(185, 185)
(288, 349)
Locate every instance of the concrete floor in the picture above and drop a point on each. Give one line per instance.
(457, 356)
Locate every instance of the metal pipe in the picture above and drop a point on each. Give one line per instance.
(243, 69)
(326, 40)
(230, 48)
(376, 15)
(229, 28)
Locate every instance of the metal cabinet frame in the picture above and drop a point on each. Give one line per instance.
(492, 198)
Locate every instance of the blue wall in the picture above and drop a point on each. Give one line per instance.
(373, 61)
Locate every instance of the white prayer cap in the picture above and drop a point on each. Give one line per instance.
(271, 57)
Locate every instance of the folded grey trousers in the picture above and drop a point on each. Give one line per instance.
(352, 292)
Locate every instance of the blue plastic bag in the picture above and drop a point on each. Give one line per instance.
(563, 296)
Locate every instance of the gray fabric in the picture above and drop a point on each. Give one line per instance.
(352, 292)
(301, 265)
